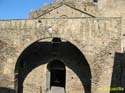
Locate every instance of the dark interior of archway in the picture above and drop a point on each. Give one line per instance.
(57, 73)
(118, 74)
(57, 78)
(40, 53)
(6, 90)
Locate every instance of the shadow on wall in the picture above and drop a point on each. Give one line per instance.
(6, 90)
(118, 74)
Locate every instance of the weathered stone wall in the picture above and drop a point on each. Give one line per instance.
(98, 39)
(113, 8)
(39, 84)
(103, 8)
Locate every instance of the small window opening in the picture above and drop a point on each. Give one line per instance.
(39, 21)
(95, 1)
(123, 34)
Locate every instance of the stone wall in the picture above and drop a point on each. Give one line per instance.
(98, 39)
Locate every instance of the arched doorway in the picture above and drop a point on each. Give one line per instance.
(57, 77)
(56, 50)
(57, 73)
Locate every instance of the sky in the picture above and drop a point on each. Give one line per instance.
(19, 9)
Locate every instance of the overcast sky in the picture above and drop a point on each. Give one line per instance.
(19, 9)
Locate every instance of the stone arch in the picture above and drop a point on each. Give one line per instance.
(43, 52)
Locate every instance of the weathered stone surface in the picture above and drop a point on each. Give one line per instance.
(99, 39)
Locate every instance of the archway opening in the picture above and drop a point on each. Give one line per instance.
(44, 52)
